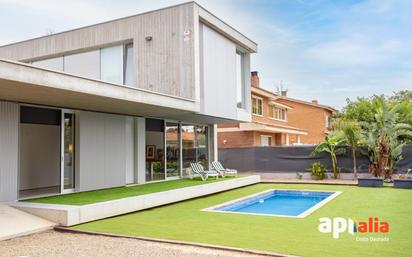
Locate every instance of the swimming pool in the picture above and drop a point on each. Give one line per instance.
(275, 202)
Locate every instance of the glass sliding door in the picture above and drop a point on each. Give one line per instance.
(67, 178)
(40, 151)
(172, 150)
(188, 147)
(195, 146)
(155, 160)
(202, 145)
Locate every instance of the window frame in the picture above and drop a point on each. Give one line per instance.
(242, 78)
(121, 55)
(60, 61)
(126, 46)
(269, 140)
(280, 112)
(257, 107)
(328, 121)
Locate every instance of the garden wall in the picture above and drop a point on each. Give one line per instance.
(294, 159)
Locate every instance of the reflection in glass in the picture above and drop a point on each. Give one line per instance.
(111, 64)
(240, 80)
(202, 145)
(172, 150)
(194, 146)
(129, 70)
(84, 64)
(188, 147)
(68, 151)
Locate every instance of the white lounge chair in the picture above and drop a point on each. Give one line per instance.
(197, 168)
(226, 172)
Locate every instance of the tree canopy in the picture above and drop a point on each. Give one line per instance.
(385, 126)
(363, 109)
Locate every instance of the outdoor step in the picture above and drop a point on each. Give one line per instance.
(15, 223)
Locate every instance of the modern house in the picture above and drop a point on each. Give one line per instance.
(127, 101)
(277, 120)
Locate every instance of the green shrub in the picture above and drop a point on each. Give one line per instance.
(318, 170)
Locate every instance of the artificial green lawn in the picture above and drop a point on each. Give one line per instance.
(185, 221)
(102, 195)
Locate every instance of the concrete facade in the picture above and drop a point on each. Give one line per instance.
(9, 152)
(172, 83)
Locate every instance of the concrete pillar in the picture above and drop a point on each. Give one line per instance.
(140, 150)
(287, 139)
(298, 140)
(213, 143)
(9, 153)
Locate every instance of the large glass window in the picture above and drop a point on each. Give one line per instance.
(155, 169)
(202, 143)
(85, 64)
(195, 145)
(188, 146)
(129, 70)
(240, 80)
(111, 64)
(68, 150)
(172, 149)
(168, 144)
(52, 63)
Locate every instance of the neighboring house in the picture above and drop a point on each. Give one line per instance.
(125, 101)
(313, 117)
(277, 120)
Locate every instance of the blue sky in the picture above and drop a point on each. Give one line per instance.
(325, 50)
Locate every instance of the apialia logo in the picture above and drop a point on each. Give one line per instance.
(338, 225)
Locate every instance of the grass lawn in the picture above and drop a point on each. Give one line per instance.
(185, 221)
(102, 195)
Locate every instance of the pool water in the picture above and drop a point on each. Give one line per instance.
(278, 202)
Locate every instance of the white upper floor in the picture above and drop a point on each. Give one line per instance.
(183, 52)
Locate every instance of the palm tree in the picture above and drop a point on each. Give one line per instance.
(384, 138)
(351, 131)
(332, 145)
(370, 142)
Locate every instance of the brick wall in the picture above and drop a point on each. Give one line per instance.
(309, 118)
(248, 139)
(235, 139)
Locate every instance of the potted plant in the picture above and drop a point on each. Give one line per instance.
(370, 182)
(403, 181)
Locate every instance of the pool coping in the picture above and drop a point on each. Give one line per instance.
(300, 216)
